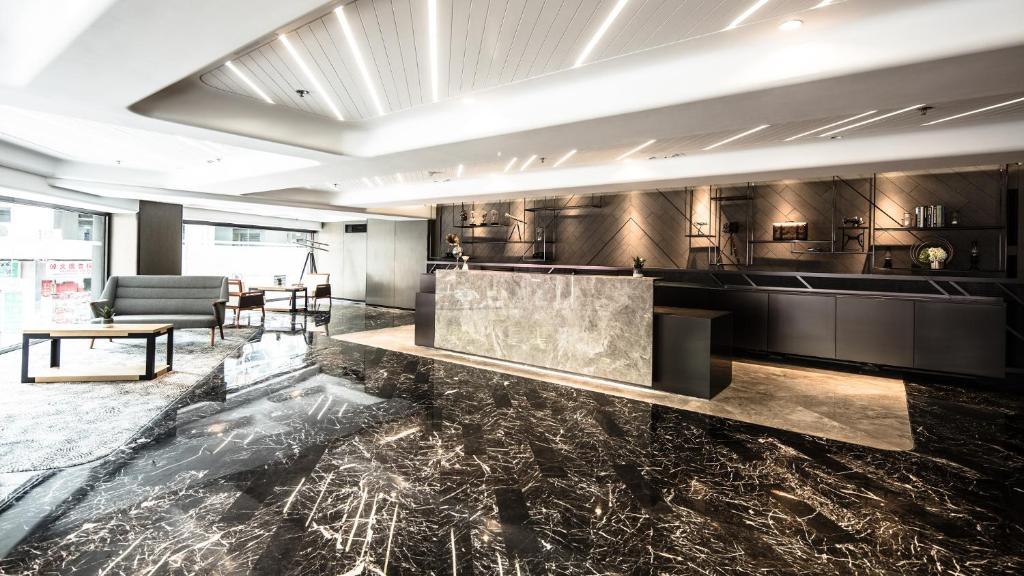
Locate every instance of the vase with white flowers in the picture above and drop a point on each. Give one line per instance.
(638, 266)
(937, 257)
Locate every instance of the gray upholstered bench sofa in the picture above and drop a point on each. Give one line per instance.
(184, 301)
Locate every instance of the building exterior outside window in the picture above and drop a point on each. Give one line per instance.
(52, 264)
(254, 255)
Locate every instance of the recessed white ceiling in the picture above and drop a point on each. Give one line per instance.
(714, 101)
(480, 44)
(178, 157)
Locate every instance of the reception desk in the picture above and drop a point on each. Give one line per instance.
(593, 325)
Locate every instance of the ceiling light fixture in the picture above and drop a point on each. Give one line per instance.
(870, 120)
(432, 20)
(985, 109)
(252, 85)
(738, 136)
(822, 4)
(600, 32)
(746, 14)
(637, 149)
(309, 76)
(832, 125)
(510, 164)
(790, 25)
(358, 55)
(564, 158)
(528, 162)
(458, 171)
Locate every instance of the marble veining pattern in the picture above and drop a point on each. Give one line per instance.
(594, 325)
(856, 408)
(316, 456)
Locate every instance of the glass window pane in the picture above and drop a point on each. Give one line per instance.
(257, 256)
(52, 264)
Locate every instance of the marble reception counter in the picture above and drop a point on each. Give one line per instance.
(598, 326)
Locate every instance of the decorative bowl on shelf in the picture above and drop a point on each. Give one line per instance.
(919, 251)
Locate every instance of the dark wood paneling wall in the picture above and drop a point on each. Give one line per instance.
(655, 224)
(159, 238)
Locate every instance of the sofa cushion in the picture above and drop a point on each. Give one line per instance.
(178, 320)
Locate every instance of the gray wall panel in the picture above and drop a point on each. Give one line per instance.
(353, 273)
(410, 261)
(380, 262)
(159, 238)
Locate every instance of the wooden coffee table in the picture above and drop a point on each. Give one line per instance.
(102, 373)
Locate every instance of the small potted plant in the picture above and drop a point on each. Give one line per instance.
(937, 257)
(106, 316)
(638, 266)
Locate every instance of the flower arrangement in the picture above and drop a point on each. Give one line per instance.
(937, 256)
(452, 239)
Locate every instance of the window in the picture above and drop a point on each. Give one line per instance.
(52, 264)
(254, 255)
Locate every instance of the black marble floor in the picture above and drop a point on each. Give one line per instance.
(306, 455)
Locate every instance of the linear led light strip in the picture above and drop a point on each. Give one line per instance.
(244, 78)
(358, 55)
(528, 162)
(832, 125)
(738, 136)
(746, 14)
(458, 171)
(870, 120)
(309, 76)
(637, 149)
(985, 109)
(564, 158)
(432, 21)
(511, 163)
(600, 32)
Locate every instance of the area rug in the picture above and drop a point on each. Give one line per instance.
(55, 425)
(855, 408)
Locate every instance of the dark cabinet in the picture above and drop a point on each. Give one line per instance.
(960, 338)
(875, 330)
(692, 351)
(749, 310)
(750, 316)
(802, 324)
(424, 319)
(940, 334)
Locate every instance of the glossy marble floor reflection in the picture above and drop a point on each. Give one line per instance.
(309, 455)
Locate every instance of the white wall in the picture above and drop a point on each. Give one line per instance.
(124, 244)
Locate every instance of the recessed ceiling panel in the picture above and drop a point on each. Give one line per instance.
(480, 44)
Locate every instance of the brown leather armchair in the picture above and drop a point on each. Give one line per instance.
(321, 284)
(239, 300)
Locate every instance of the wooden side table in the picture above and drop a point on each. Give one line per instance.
(56, 333)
